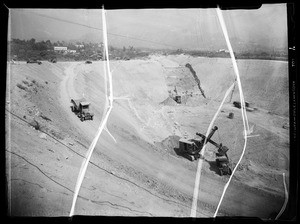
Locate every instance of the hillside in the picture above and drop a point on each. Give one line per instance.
(142, 174)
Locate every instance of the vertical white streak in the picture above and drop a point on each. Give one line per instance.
(8, 119)
(107, 59)
(107, 110)
(243, 110)
(235, 67)
(198, 174)
(285, 198)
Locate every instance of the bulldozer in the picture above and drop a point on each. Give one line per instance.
(81, 108)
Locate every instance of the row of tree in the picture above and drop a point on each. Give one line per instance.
(44, 50)
(239, 55)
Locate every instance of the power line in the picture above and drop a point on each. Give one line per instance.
(96, 28)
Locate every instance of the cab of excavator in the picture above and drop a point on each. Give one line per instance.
(84, 107)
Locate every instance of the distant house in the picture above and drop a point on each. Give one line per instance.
(224, 50)
(72, 51)
(79, 45)
(60, 48)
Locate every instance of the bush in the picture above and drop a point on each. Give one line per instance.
(35, 124)
(56, 134)
(22, 87)
(25, 82)
(45, 118)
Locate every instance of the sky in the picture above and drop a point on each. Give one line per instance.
(193, 29)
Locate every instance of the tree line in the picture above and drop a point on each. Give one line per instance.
(44, 50)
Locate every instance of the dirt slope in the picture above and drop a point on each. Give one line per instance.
(265, 83)
(123, 174)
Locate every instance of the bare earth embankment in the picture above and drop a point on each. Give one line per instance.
(141, 174)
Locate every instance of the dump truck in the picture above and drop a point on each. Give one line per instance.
(223, 164)
(32, 61)
(237, 104)
(222, 160)
(53, 60)
(81, 108)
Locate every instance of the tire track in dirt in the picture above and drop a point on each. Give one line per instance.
(206, 200)
(68, 87)
(94, 164)
(94, 201)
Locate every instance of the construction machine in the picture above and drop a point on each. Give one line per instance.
(238, 104)
(222, 160)
(223, 165)
(81, 109)
(53, 60)
(191, 149)
(31, 61)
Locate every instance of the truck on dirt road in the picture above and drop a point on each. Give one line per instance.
(32, 61)
(81, 108)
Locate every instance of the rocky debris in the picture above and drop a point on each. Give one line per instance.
(196, 78)
(286, 125)
(51, 150)
(33, 111)
(43, 136)
(231, 115)
(20, 86)
(44, 117)
(35, 124)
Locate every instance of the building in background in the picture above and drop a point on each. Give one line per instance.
(60, 48)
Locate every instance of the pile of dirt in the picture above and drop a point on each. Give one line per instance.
(169, 102)
(169, 144)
